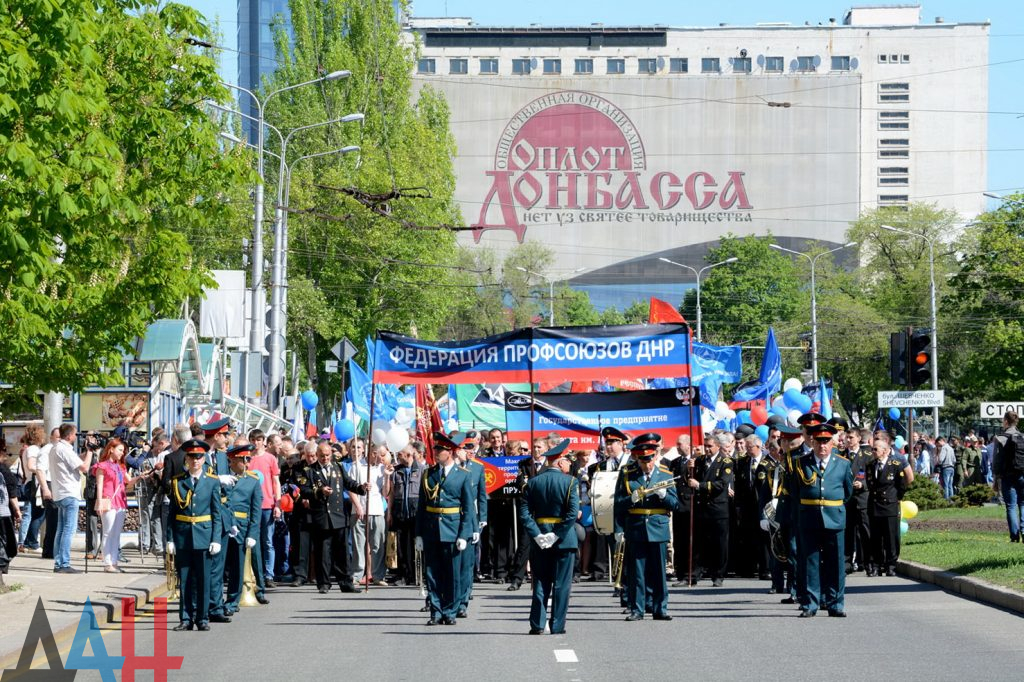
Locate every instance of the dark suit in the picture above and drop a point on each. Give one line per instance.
(752, 540)
(405, 496)
(858, 528)
(329, 520)
(715, 479)
(886, 485)
(682, 517)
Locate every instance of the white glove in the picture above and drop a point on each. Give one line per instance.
(227, 480)
(764, 525)
(661, 493)
(552, 539)
(250, 543)
(483, 524)
(476, 538)
(214, 548)
(539, 539)
(418, 544)
(619, 537)
(233, 532)
(170, 548)
(635, 496)
(460, 544)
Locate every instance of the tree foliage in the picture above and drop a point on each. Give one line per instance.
(107, 160)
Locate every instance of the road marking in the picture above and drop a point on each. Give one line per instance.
(565, 656)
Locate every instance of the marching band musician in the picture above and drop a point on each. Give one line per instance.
(770, 485)
(613, 460)
(548, 510)
(193, 534)
(478, 493)
(245, 500)
(641, 520)
(825, 484)
(445, 523)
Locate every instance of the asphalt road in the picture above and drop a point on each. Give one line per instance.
(896, 630)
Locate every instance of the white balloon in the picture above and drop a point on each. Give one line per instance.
(379, 436)
(793, 416)
(731, 414)
(453, 424)
(404, 416)
(397, 438)
(380, 424)
(721, 409)
(792, 382)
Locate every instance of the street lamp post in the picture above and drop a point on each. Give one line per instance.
(698, 273)
(551, 291)
(814, 299)
(935, 326)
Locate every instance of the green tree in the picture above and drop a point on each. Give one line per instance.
(638, 312)
(108, 160)
(573, 307)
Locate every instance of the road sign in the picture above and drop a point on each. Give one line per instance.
(911, 398)
(997, 410)
(344, 350)
(331, 366)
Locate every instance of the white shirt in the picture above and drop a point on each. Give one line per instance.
(43, 467)
(822, 463)
(376, 504)
(64, 473)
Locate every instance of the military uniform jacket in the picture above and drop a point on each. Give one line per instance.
(859, 461)
(550, 504)
(245, 499)
(715, 479)
(769, 483)
(647, 519)
(746, 484)
(527, 469)
(680, 470)
(217, 463)
(789, 503)
(446, 511)
(296, 476)
(821, 496)
(327, 510)
(477, 488)
(886, 485)
(195, 513)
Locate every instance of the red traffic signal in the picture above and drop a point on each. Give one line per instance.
(920, 371)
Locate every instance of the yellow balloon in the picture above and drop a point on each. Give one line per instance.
(908, 509)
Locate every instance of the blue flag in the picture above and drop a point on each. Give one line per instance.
(769, 381)
(360, 387)
(823, 400)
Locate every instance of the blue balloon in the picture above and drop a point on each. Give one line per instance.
(779, 408)
(804, 403)
(791, 399)
(344, 430)
(762, 432)
(310, 400)
(744, 417)
(894, 413)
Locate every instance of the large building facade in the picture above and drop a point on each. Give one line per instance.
(618, 146)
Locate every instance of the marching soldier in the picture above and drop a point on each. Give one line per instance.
(614, 459)
(857, 542)
(769, 483)
(478, 493)
(713, 480)
(644, 496)
(445, 523)
(825, 484)
(548, 512)
(193, 534)
(216, 434)
(218, 466)
(326, 482)
(886, 483)
(245, 499)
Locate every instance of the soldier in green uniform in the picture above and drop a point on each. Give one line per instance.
(478, 493)
(825, 484)
(445, 523)
(193, 531)
(244, 501)
(642, 521)
(548, 510)
(216, 435)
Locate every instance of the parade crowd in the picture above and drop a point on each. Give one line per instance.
(800, 510)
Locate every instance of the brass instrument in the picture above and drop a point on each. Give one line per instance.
(777, 546)
(661, 485)
(619, 562)
(419, 573)
(171, 577)
(248, 597)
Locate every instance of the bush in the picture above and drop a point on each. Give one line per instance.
(973, 495)
(926, 494)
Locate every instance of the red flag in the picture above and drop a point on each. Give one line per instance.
(428, 420)
(311, 431)
(662, 312)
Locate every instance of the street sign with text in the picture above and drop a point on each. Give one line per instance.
(998, 409)
(331, 366)
(911, 398)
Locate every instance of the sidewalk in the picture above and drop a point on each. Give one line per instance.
(64, 595)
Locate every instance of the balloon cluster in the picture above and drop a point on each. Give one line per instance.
(908, 510)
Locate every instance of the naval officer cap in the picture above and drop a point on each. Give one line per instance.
(610, 434)
(558, 451)
(452, 442)
(195, 448)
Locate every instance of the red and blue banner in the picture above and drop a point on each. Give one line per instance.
(581, 416)
(536, 355)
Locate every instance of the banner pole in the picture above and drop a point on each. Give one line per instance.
(691, 462)
(368, 562)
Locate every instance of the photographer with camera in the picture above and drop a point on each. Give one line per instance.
(93, 444)
(150, 495)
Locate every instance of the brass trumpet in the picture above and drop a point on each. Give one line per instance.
(170, 576)
(248, 597)
(618, 562)
(419, 573)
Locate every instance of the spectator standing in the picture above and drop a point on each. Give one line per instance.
(66, 469)
(1008, 470)
(10, 512)
(32, 514)
(150, 495)
(401, 514)
(970, 462)
(112, 481)
(372, 506)
(945, 466)
(987, 453)
(266, 466)
(44, 494)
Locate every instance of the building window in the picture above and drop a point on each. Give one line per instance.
(679, 65)
(893, 181)
(840, 63)
(892, 199)
(426, 66)
(710, 65)
(883, 59)
(616, 66)
(521, 67)
(458, 66)
(584, 66)
(774, 64)
(904, 58)
(893, 114)
(894, 153)
(805, 64)
(888, 87)
(894, 142)
(647, 65)
(741, 65)
(894, 125)
(552, 67)
(489, 65)
(893, 170)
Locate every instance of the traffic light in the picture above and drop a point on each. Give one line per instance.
(920, 373)
(898, 358)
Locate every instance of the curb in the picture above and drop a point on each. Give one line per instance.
(19, 597)
(109, 609)
(964, 586)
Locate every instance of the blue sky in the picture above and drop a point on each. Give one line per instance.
(1006, 96)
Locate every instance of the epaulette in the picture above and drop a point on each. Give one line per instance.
(842, 457)
(664, 469)
(182, 474)
(253, 474)
(213, 476)
(628, 467)
(462, 468)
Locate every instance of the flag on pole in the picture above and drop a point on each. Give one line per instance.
(823, 400)
(769, 381)
(299, 427)
(663, 312)
(428, 420)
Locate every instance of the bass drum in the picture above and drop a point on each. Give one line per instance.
(602, 496)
